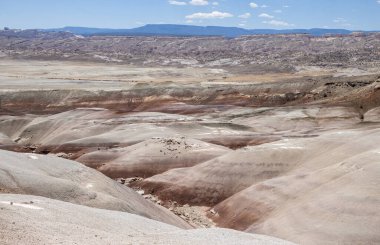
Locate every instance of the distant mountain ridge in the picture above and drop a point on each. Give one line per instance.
(189, 30)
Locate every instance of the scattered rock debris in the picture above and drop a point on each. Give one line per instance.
(175, 146)
(64, 155)
(196, 216)
(128, 181)
(2, 190)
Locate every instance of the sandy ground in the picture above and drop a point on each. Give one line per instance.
(26, 74)
(42, 75)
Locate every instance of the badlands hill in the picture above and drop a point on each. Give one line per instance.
(252, 54)
(46, 221)
(59, 179)
(266, 137)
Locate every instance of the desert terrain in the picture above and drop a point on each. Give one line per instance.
(266, 139)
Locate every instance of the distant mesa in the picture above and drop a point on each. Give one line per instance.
(189, 30)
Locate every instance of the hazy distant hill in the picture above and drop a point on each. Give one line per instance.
(188, 30)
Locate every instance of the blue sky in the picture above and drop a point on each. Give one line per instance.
(277, 14)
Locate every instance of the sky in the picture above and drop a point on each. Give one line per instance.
(250, 14)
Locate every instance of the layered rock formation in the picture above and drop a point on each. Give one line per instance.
(232, 136)
(70, 181)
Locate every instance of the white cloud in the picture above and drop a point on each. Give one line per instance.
(198, 2)
(247, 15)
(215, 3)
(279, 11)
(277, 23)
(253, 5)
(242, 24)
(340, 20)
(264, 6)
(286, 6)
(378, 1)
(212, 15)
(267, 16)
(173, 2)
